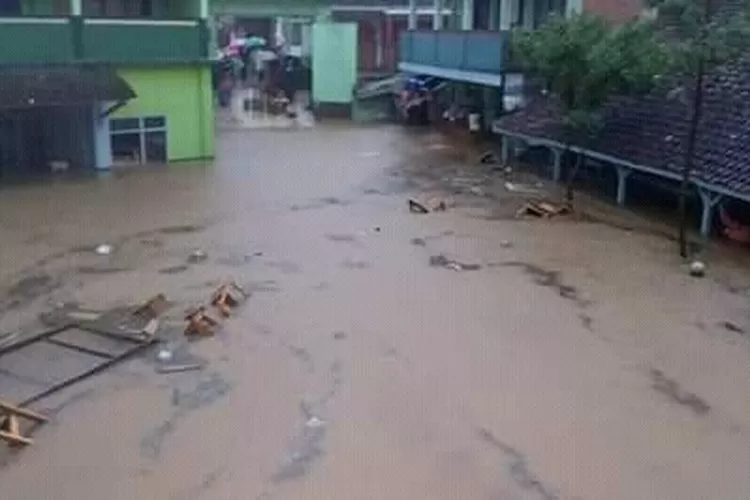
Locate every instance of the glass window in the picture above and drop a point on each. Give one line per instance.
(126, 148)
(154, 122)
(156, 147)
(124, 124)
(295, 35)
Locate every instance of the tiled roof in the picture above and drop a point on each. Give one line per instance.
(651, 131)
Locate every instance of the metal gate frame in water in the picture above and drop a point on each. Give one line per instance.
(138, 344)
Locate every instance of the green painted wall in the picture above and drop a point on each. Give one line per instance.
(270, 8)
(44, 7)
(182, 94)
(334, 62)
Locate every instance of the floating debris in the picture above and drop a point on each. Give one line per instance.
(104, 249)
(314, 422)
(200, 323)
(729, 326)
(227, 297)
(543, 209)
(164, 355)
(442, 261)
(197, 256)
(697, 269)
(489, 158)
(417, 208)
(180, 368)
(515, 187)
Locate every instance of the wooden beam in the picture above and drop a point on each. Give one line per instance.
(22, 412)
(15, 439)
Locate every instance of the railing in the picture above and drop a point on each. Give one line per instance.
(35, 40)
(477, 51)
(140, 40)
(59, 40)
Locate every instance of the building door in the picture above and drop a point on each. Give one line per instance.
(334, 62)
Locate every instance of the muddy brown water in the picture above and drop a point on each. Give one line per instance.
(580, 361)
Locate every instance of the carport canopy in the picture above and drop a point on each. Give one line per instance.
(61, 86)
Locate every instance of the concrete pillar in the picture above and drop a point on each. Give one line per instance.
(203, 10)
(494, 14)
(467, 15)
(556, 164)
(528, 13)
(505, 149)
(489, 95)
(506, 15)
(437, 16)
(76, 7)
(622, 184)
(102, 141)
(412, 19)
(709, 201)
(378, 28)
(391, 44)
(573, 7)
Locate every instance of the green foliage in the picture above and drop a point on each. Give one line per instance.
(704, 33)
(582, 61)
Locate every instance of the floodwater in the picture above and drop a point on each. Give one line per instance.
(460, 354)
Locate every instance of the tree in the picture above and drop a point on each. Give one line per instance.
(582, 62)
(701, 34)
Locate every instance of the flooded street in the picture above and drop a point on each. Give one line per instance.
(460, 354)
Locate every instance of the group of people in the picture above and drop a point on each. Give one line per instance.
(249, 61)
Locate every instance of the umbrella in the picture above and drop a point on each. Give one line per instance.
(255, 42)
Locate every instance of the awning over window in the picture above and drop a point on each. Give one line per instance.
(68, 86)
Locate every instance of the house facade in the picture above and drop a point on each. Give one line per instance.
(470, 48)
(379, 24)
(90, 83)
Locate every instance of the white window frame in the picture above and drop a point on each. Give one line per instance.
(142, 130)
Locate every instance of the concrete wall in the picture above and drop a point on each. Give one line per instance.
(182, 94)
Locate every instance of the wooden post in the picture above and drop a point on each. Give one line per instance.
(622, 179)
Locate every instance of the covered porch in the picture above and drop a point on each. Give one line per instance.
(55, 119)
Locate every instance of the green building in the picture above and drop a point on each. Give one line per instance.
(91, 83)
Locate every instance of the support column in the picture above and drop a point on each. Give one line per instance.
(506, 15)
(379, 53)
(505, 150)
(556, 164)
(709, 201)
(494, 15)
(437, 16)
(390, 45)
(76, 7)
(622, 184)
(467, 15)
(490, 106)
(528, 14)
(412, 20)
(102, 140)
(203, 11)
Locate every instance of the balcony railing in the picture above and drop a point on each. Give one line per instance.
(467, 51)
(60, 40)
(35, 40)
(140, 40)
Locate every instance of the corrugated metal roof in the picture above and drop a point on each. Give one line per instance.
(60, 86)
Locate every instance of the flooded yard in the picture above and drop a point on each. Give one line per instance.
(382, 354)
